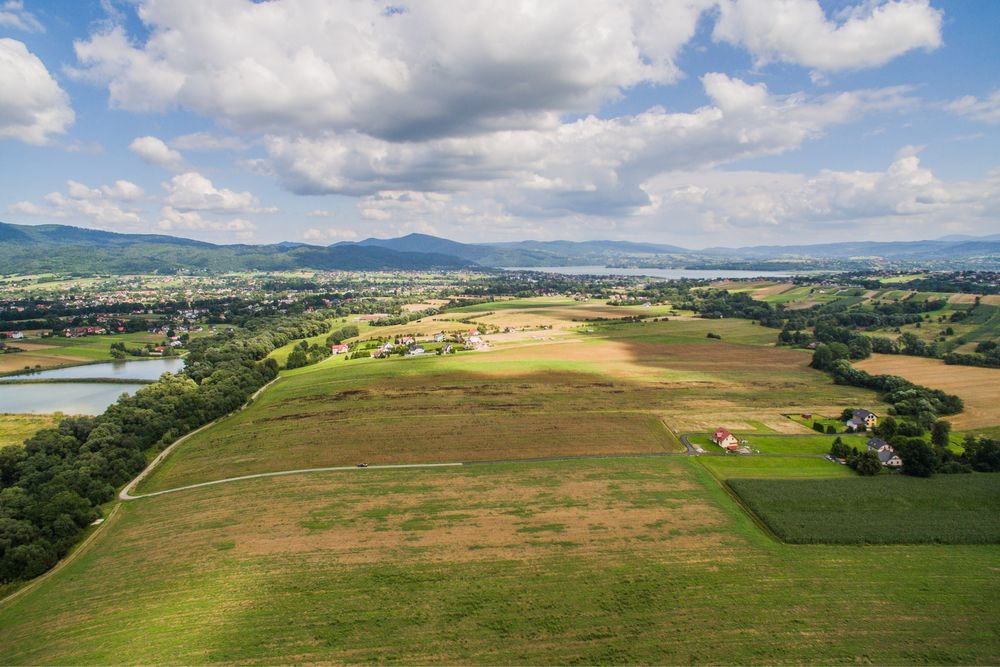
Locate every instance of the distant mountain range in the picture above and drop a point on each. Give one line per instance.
(569, 253)
(60, 248)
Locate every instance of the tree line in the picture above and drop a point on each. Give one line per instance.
(52, 485)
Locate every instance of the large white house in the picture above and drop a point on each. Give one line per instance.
(886, 454)
(725, 439)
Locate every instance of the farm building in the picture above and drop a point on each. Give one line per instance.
(725, 439)
(339, 349)
(862, 420)
(886, 454)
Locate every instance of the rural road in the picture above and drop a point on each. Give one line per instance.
(125, 493)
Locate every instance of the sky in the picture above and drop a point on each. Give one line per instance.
(691, 122)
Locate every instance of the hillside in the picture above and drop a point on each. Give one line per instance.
(44, 248)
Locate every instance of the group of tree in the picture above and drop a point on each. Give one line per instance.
(52, 485)
(919, 403)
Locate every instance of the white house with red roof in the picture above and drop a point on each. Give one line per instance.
(339, 349)
(725, 439)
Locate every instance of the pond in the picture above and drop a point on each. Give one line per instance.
(71, 398)
(81, 398)
(120, 370)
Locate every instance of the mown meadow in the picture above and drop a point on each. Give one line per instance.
(628, 560)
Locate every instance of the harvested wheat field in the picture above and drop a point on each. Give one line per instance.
(978, 387)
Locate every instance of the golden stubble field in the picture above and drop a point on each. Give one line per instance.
(978, 387)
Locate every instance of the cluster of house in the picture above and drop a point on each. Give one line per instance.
(886, 454)
(80, 332)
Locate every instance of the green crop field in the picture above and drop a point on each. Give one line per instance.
(951, 509)
(625, 561)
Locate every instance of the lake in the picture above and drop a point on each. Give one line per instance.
(669, 274)
(120, 370)
(72, 398)
(81, 398)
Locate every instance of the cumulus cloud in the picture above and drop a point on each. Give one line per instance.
(986, 110)
(905, 198)
(207, 141)
(591, 165)
(102, 206)
(322, 66)
(798, 31)
(13, 15)
(319, 213)
(191, 191)
(173, 220)
(32, 106)
(154, 151)
(328, 235)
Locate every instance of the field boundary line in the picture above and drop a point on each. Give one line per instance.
(67, 559)
(754, 518)
(125, 493)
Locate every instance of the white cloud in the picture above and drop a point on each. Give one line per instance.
(13, 15)
(27, 208)
(123, 191)
(173, 220)
(986, 110)
(591, 165)
(191, 191)
(318, 65)
(906, 199)
(206, 141)
(320, 213)
(153, 151)
(32, 105)
(328, 235)
(102, 206)
(798, 31)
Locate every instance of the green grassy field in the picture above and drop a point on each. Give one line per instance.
(951, 509)
(15, 429)
(626, 561)
(593, 561)
(608, 393)
(806, 444)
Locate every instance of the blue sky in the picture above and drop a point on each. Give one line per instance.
(695, 122)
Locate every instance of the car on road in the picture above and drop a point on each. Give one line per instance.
(362, 465)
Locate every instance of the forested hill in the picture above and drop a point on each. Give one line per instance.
(45, 248)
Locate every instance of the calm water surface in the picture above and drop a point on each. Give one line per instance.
(81, 398)
(72, 398)
(120, 370)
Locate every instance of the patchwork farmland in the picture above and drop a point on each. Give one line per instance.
(614, 557)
